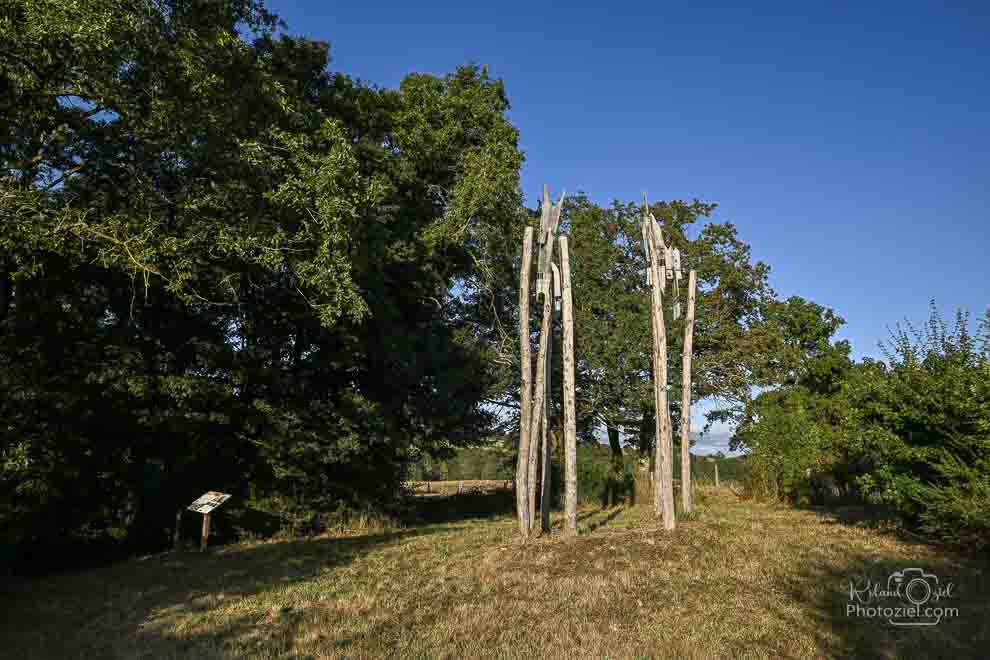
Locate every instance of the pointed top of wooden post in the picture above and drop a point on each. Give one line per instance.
(555, 225)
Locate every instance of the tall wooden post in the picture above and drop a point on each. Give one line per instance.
(570, 415)
(663, 479)
(535, 398)
(205, 534)
(686, 398)
(546, 487)
(716, 473)
(545, 432)
(548, 226)
(525, 384)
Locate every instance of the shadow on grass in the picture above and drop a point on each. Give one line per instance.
(867, 517)
(850, 624)
(612, 515)
(434, 509)
(107, 612)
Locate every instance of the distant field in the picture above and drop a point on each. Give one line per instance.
(460, 487)
(742, 580)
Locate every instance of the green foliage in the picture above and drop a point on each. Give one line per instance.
(224, 267)
(487, 462)
(730, 468)
(921, 426)
(600, 480)
(788, 443)
(911, 434)
(614, 343)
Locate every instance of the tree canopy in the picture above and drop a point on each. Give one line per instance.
(223, 266)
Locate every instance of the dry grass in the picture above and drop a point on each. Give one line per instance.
(742, 580)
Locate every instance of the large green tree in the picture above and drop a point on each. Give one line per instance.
(613, 336)
(224, 266)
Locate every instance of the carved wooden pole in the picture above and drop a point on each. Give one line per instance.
(570, 415)
(686, 397)
(539, 386)
(663, 479)
(549, 222)
(668, 429)
(525, 384)
(545, 430)
(546, 472)
(535, 397)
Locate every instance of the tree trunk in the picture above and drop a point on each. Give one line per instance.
(686, 398)
(614, 444)
(645, 439)
(570, 416)
(616, 448)
(526, 387)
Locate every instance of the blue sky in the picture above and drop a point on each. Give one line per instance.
(850, 145)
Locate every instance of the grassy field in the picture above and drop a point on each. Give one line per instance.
(741, 580)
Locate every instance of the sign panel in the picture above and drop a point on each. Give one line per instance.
(208, 501)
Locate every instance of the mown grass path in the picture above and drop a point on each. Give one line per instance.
(742, 581)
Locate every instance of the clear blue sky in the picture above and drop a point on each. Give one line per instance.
(850, 145)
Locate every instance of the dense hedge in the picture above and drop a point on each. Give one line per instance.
(910, 435)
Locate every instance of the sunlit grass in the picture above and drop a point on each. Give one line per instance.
(739, 580)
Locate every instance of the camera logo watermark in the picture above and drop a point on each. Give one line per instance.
(909, 597)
